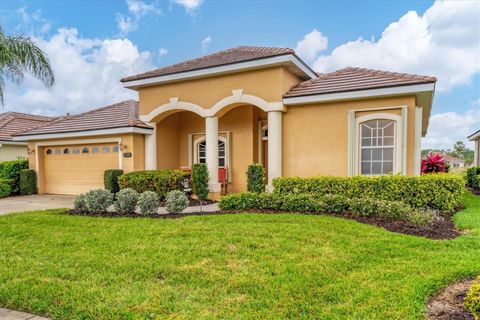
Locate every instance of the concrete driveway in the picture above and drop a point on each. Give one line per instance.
(35, 202)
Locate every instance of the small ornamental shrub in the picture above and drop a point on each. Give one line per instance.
(393, 210)
(126, 201)
(110, 180)
(423, 217)
(433, 163)
(28, 182)
(79, 203)
(98, 201)
(436, 191)
(473, 177)
(472, 301)
(200, 181)
(11, 170)
(148, 203)
(5, 187)
(333, 203)
(176, 201)
(159, 181)
(364, 207)
(301, 203)
(256, 178)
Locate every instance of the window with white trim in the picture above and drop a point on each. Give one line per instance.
(377, 147)
(202, 153)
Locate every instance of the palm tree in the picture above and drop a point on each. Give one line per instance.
(19, 55)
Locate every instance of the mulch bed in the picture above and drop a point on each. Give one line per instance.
(448, 304)
(474, 191)
(443, 229)
(193, 203)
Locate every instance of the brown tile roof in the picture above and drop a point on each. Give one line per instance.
(118, 115)
(229, 56)
(13, 122)
(352, 79)
(447, 157)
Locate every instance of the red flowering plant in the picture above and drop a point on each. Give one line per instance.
(433, 163)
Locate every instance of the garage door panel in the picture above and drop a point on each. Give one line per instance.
(77, 173)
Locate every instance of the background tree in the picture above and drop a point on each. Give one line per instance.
(458, 149)
(19, 55)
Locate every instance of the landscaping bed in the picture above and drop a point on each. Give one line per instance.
(449, 303)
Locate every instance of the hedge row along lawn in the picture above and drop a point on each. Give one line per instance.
(249, 266)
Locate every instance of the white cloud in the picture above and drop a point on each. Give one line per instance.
(447, 128)
(34, 22)
(190, 5)
(87, 74)
(136, 10)
(162, 52)
(205, 43)
(311, 45)
(443, 42)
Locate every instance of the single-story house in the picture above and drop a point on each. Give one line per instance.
(454, 162)
(475, 137)
(241, 106)
(10, 123)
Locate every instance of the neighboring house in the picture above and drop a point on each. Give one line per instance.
(240, 106)
(454, 162)
(475, 137)
(10, 123)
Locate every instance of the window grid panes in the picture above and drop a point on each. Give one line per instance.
(202, 153)
(377, 147)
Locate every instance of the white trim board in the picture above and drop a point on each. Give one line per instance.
(234, 67)
(78, 134)
(360, 94)
(13, 143)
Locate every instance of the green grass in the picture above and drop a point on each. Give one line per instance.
(227, 267)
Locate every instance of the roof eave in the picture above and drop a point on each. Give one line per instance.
(82, 134)
(475, 136)
(302, 70)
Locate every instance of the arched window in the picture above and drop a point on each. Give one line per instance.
(106, 149)
(115, 149)
(85, 150)
(76, 151)
(49, 151)
(201, 153)
(58, 151)
(377, 146)
(95, 150)
(66, 151)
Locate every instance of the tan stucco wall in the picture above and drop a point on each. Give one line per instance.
(12, 152)
(133, 143)
(315, 136)
(268, 84)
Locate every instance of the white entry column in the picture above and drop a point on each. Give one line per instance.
(211, 139)
(151, 148)
(274, 147)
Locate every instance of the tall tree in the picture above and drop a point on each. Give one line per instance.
(459, 148)
(18, 56)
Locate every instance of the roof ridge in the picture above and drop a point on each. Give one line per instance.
(386, 73)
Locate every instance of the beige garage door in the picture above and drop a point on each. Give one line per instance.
(78, 168)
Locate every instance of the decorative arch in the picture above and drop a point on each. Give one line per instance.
(238, 97)
(174, 106)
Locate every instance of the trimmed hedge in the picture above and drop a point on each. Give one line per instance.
(159, 181)
(28, 182)
(110, 179)
(436, 191)
(11, 170)
(255, 178)
(472, 301)
(473, 177)
(308, 203)
(5, 187)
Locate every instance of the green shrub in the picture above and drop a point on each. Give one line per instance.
(176, 201)
(98, 201)
(473, 178)
(148, 203)
(200, 181)
(334, 203)
(126, 201)
(301, 203)
(256, 178)
(159, 181)
(472, 301)
(110, 180)
(395, 210)
(5, 187)
(11, 170)
(28, 182)
(436, 191)
(422, 217)
(79, 203)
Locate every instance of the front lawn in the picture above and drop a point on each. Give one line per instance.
(248, 266)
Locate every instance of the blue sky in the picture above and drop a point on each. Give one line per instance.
(94, 43)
